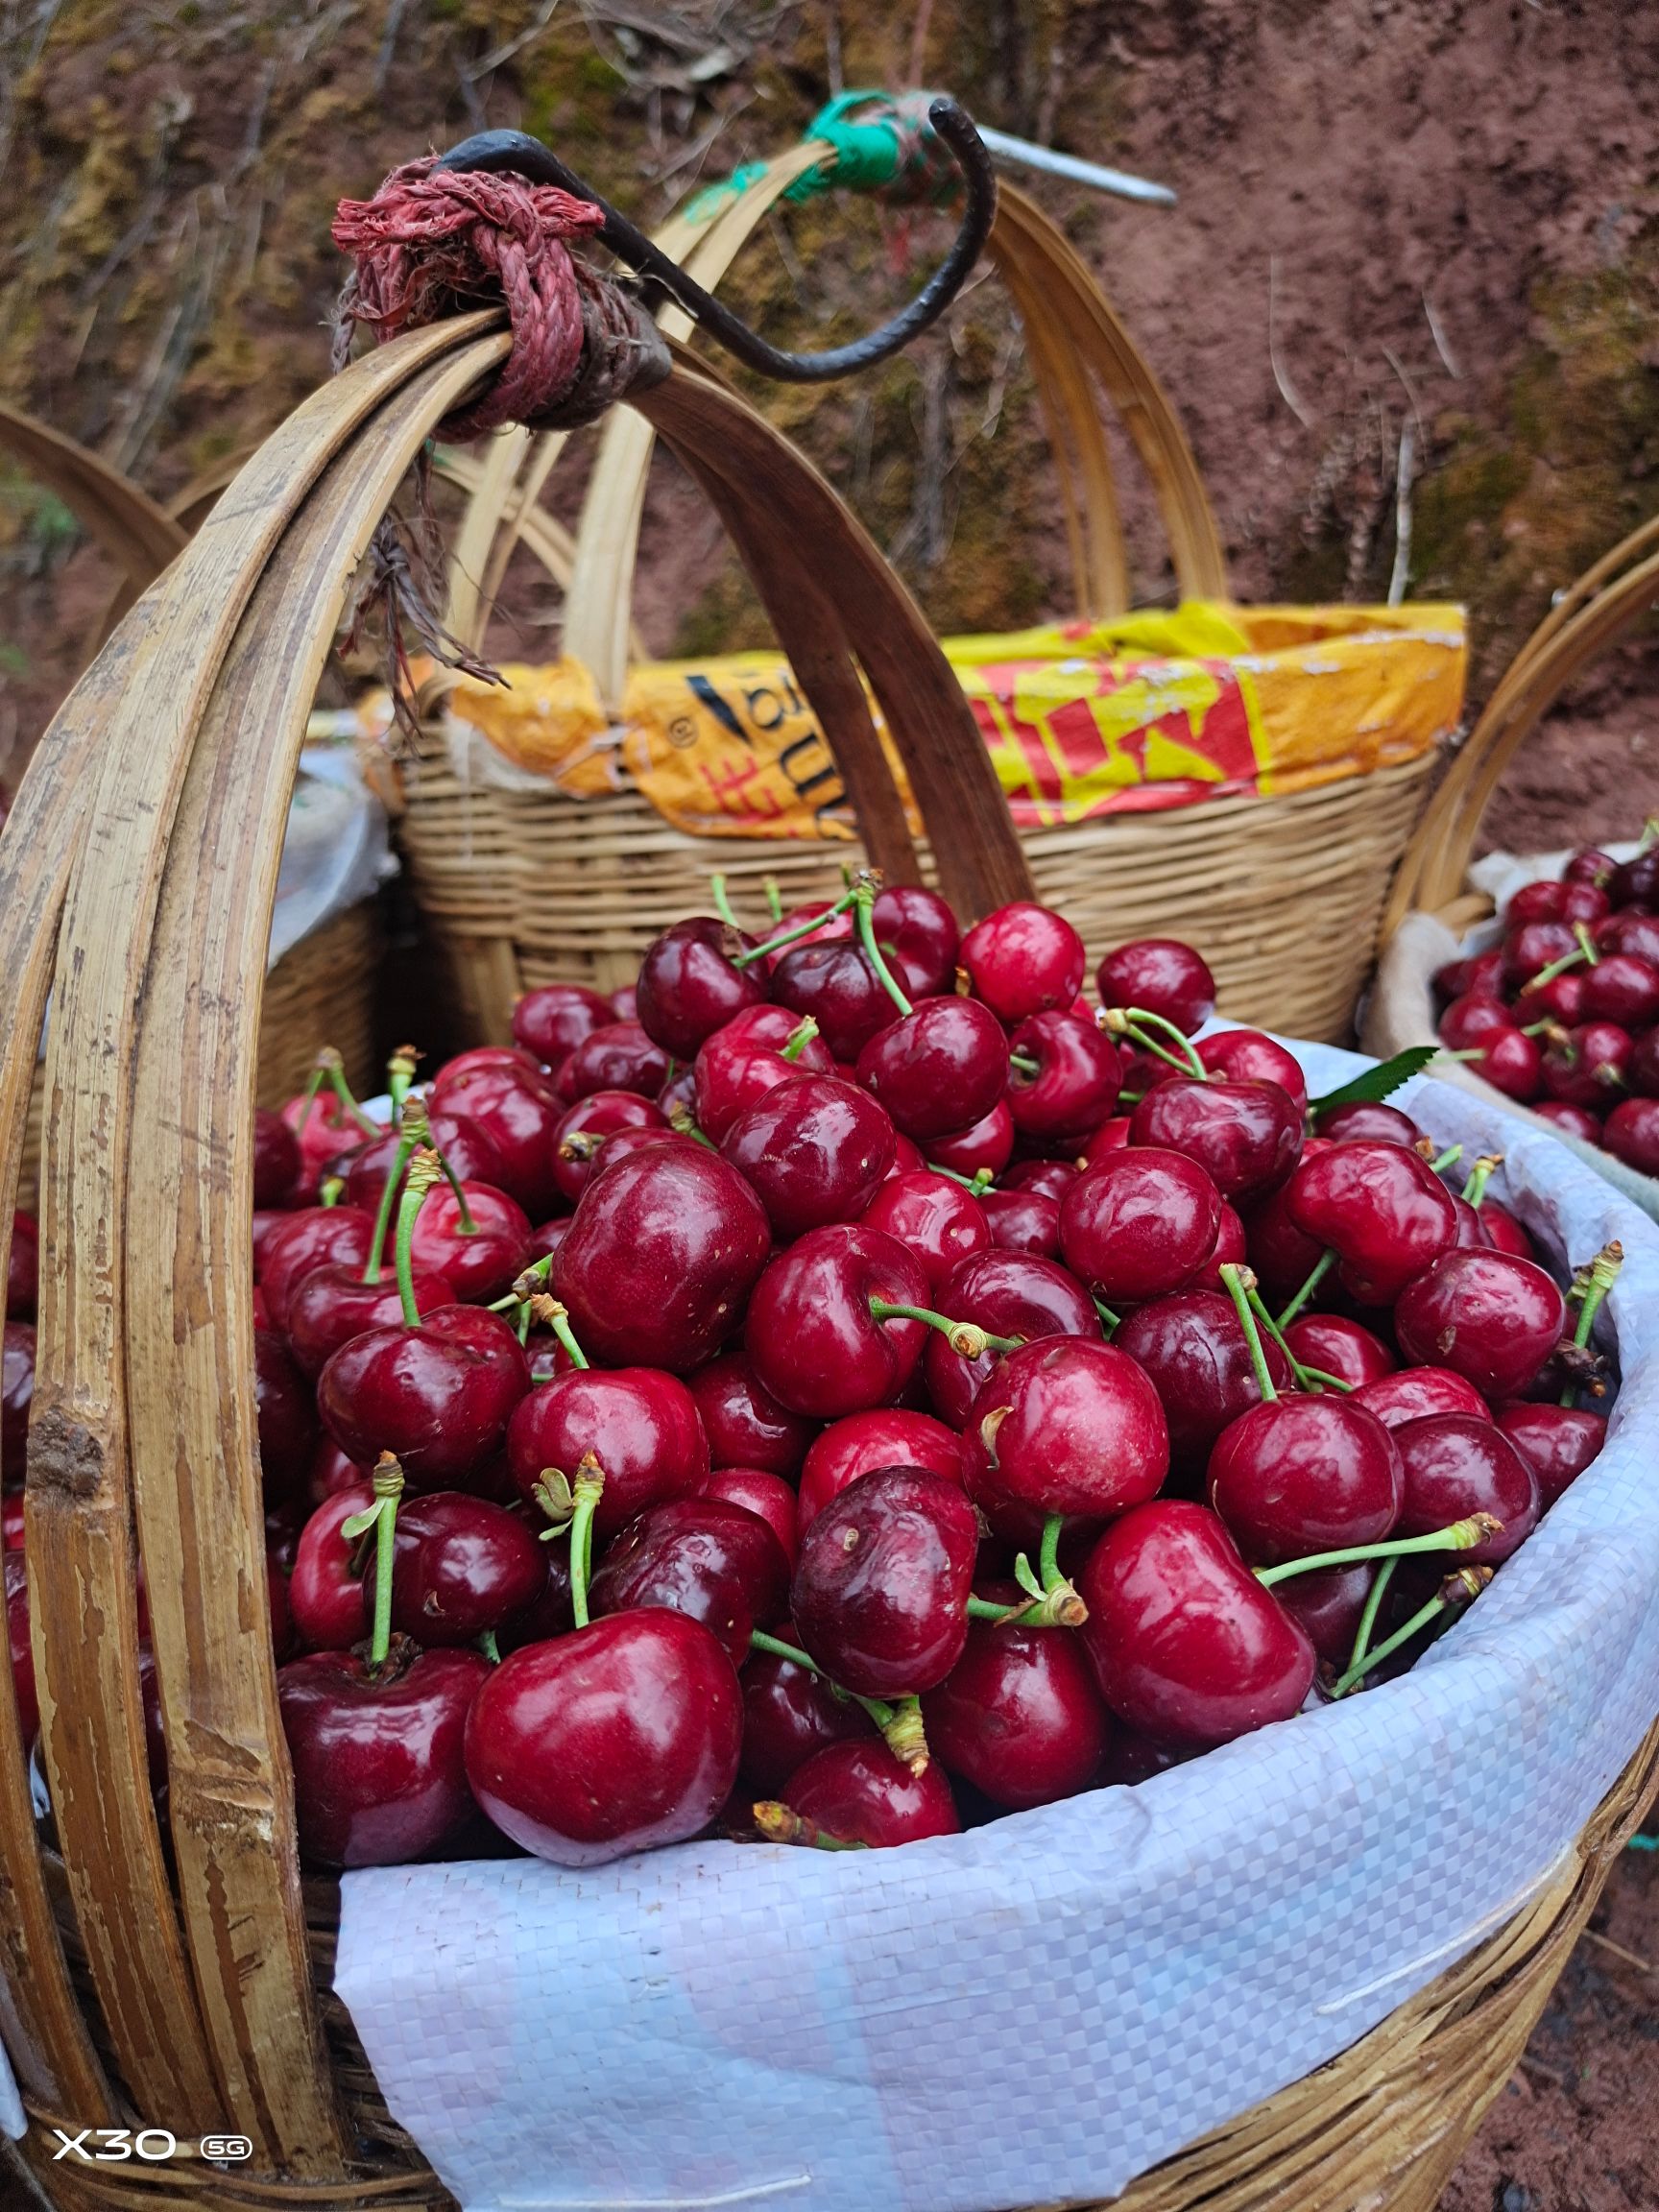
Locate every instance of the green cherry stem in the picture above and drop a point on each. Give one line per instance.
(781, 1823)
(1374, 1597)
(330, 1191)
(491, 1649)
(798, 1039)
(1446, 1158)
(413, 1120)
(1468, 1582)
(863, 905)
(1586, 944)
(1459, 1536)
(1603, 1274)
(1304, 1374)
(1136, 1021)
(1110, 1322)
(774, 897)
(1238, 1282)
(1055, 1602)
(334, 1069)
(549, 1310)
(793, 937)
(1028, 1067)
(1574, 959)
(722, 903)
(1322, 1267)
(424, 1169)
(965, 1338)
(586, 1493)
(683, 1123)
(534, 1279)
(401, 1075)
(900, 1723)
(381, 1516)
(977, 1183)
(1479, 1175)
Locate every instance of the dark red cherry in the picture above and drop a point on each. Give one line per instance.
(22, 1268)
(932, 1218)
(583, 1129)
(860, 1793)
(1512, 1063)
(1491, 1319)
(618, 1057)
(461, 1566)
(1413, 1393)
(17, 1397)
(315, 1237)
(889, 1436)
(789, 1715)
(1065, 1426)
(1162, 975)
(1053, 1178)
(1020, 1715)
(768, 1496)
(1111, 1136)
(1483, 973)
(1248, 1137)
(1071, 1084)
(22, 1650)
(322, 1128)
(1473, 1018)
(1023, 1221)
(810, 1334)
(1589, 865)
(1139, 1223)
(1337, 1346)
(715, 1562)
(332, 1471)
(1456, 1466)
(1228, 1250)
(1635, 882)
(1645, 1064)
(520, 1115)
(1248, 1056)
(1007, 1294)
(814, 1149)
(287, 1417)
(917, 932)
(746, 1059)
(1281, 1254)
(1381, 1208)
(1193, 1351)
(662, 1254)
(1303, 1475)
(377, 1756)
(1576, 1120)
(1561, 999)
(1329, 1603)
(548, 1236)
(1368, 1121)
(276, 1160)
(1587, 1064)
(325, 1593)
(1535, 903)
(624, 1735)
(835, 984)
(468, 1152)
(1023, 959)
(1535, 946)
(484, 1260)
(745, 1424)
(988, 1144)
(939, 1070)
(438, 1395)
(1186, 1646)
(1634, 931)
(690, 984)
(1631, 1133)
(639, 1423)
(1557, 1442)
(333, 1305)
(550, 1023)
(880, 1591)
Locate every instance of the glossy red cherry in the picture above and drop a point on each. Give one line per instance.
(713, 1561)
(860, 1793)
(814, 1149)
(618, 1057)
(1111, 1136)
(1229, 1248)
(1482, 974)
(790, 1714)
(21, 1649)
(1635, 882)
(335, 1304)
(1413, 1393)
(1512, 1063)
(1023, 1221)
(1473, 1018)
(1023, 959)
(1064, 1078)
(511, 1056)
(1381, 1208)
(768, 1496)
(1369, 1120)
(939, 1069)
(621, 1736)
(1053, 1178)
(917, 932)
(1301, 1475)
(1337, 1346)
(520, 1115)
(581, 1131)
(690, 985)
(17, 1396)
(1623, 989)
(287, 1418)
(934, 1219)
(1195, 1354)
(438, 1395)
(1020, 1715)
(1162, 975)
(744, 1423)
(662, 1254)
(1456, 1466)
(1576, 1120)
(880, 1591)
(810, 1334)
(481, 1261)
(1248, 1056)
(467, 1150)
(11, 1520)
(835, 984)
(1065, 1426)
(889, 1436)
(322, 1128)
(989, 1145)
(1557, 1442)
(276, 1160)
(1590, 865)
(1006, 1294)
(550, 1023)
(1491, 1319)
(1631, 1134)
(1186, 1644)
(1632, 932)
(740, 1063)
(377, 1756)
(639, 1423)
(1533, 946)
(325, 1593)
(1586, 1065)
(1138, 1224)
(315, 1237)
(1328, 1603)
(1248, 1137)
(461, 1568)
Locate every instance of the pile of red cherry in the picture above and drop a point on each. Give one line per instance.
(852, 1385)
(1563, 1016)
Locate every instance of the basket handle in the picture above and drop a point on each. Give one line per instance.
(1605, 602)
(138, 535)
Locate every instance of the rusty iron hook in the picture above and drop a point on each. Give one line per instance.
(517, 152)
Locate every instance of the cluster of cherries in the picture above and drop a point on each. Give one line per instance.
(1563, 1016)
(852, 1385)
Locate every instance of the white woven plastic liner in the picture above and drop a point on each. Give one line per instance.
(1047, 2006)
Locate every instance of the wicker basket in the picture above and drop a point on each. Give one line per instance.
(525, 887)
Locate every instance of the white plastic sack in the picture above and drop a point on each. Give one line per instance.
(335, 852)
(1044, 2008)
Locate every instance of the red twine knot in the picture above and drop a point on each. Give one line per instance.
(435, 242)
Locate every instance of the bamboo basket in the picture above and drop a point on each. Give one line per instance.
(530, 886)
(1599, 608)
(180, 1980)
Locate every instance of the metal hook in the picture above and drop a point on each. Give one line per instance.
(517, 152)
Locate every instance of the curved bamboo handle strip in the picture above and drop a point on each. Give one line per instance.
(1590, 617)
(135, 533)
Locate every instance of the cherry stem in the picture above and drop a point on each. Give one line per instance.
(1135, 1022)
(899, 1723)
(965, 1338)
(798, 1039)
(1532, 1029)
(1111, 1321)
(308, 1099)
(781, 1823)
(491, 1649)
(863, 905)
(424, 1170)
(401, 1075)
(1322, 1267)
(1603, 1274)
(333, 1070)
(558, 1319)
(1055, 1602)
(1304, 1374)
(1586, 944)
(789, 936)
(330, 1191)
(1460, 1536)
(1374, 1597)
(1574, 959)
(387, 1483)
(1467, 1583)
(977, 1184)
(586, 1493)
(1028, 1067)
(683, 1124)
(1446, 1158)
(413, 1132)
(1479, 1175)
(533, 1279)
(722, 903)
(1238, 1282)
(774, 897)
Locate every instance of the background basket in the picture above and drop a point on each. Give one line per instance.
(528, 885)
(1432, 903)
